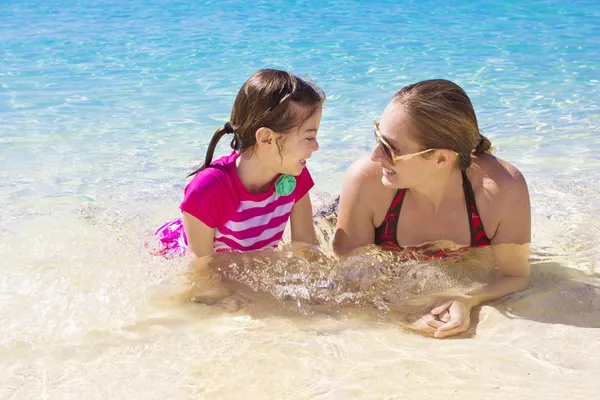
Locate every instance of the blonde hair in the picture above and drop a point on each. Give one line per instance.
(444, 118)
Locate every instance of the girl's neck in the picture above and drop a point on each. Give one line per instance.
(253, 174)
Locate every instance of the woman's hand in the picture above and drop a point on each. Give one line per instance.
(448, 319)
(455, 316)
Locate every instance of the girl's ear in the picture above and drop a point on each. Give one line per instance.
(264, 137)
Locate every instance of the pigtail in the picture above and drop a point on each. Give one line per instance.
(219, 133)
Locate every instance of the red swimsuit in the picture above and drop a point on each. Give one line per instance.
(386, 233)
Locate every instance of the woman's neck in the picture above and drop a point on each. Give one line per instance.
(443, 187)
(253, 174)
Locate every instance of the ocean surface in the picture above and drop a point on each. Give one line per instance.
(105, 106)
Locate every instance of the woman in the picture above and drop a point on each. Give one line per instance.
(431, 179)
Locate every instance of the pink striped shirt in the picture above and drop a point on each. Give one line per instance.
(242, 221)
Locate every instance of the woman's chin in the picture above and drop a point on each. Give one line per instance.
(388, 183)
(389, 177)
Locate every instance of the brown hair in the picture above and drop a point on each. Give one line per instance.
(271, 99)
(444, 117)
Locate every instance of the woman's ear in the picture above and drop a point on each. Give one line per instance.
(443, 158)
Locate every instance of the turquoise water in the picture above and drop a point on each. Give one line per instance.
(118, 101)
(105, 106)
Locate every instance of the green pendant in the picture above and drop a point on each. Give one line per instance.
(285, 185)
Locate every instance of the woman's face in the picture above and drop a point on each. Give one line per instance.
(398, 147)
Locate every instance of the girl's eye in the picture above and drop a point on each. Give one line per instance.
(310, 139)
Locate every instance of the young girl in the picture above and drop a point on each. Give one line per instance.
(241, 202)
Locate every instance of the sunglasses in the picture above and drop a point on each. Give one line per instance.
(387, 150)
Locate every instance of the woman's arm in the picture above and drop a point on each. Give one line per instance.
(510, 244)
(510, 249)
(355, 226)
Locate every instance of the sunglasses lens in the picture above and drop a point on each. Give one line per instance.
(386, 150)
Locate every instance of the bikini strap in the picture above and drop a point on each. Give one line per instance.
(385, 234)
(478, 236)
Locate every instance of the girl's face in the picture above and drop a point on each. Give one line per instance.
(298, 146)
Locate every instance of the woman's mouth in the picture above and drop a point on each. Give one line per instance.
(388, 172)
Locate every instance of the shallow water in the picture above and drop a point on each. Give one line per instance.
(105, 107)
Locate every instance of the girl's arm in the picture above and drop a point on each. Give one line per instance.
(301, 220)
(204, 280)
(199, 236)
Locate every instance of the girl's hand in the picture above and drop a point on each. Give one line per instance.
(234, 303)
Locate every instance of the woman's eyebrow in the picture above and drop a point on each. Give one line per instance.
(390, 141)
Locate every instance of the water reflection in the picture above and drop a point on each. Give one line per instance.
(402, 283)
(395, 287)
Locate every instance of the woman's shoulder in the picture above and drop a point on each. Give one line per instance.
(364, 190)
(499, 187)
(497, 175)
(364, 171)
